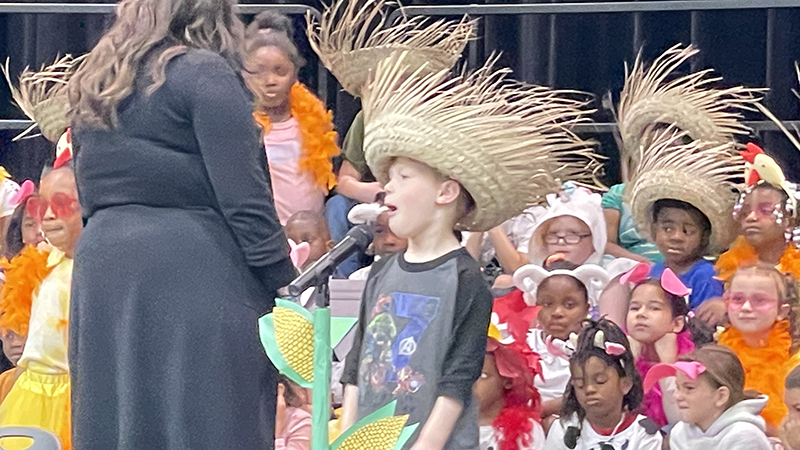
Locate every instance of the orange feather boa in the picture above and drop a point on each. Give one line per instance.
(765, 367)
(317, 136)
(742, 253)
(24, 274)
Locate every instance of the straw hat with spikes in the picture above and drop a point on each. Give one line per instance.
(651, 100)
(42, 96)
(705, 175)
(505, 142)
(353, 37)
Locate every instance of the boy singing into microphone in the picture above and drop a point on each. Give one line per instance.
(452, 154)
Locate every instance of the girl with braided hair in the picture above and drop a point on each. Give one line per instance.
(604, 393)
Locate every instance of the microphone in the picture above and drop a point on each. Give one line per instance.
(357, 239)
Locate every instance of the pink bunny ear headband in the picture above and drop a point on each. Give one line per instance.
(528, 278)
(692, 369)
(25, 190)
(669, 281)
(298, 253)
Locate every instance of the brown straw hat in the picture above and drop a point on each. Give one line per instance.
(352, 38)
(42, 96)
(505, 142)
(651, 100)
(705, 175)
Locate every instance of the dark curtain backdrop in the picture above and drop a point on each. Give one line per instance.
(588, 53)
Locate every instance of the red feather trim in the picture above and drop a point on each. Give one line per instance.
(514, 427)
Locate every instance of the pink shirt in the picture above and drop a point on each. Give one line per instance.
(292, 190)
(297, 433)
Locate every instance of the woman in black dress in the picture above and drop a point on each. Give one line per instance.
(182, 249)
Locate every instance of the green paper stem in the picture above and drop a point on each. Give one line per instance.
(321, 397)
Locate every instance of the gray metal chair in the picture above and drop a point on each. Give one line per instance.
(42, 440)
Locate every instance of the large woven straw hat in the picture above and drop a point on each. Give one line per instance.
(705, 175)
(353, 37)
(651, 99)
(506, 143)
(42, 96)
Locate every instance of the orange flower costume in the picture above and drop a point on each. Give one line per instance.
(317, 136)
(742, 254)
(766, 367)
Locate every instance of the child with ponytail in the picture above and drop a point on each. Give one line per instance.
(716, 411)
(297, 129)
(660, 330)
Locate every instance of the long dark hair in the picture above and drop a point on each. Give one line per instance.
(14, 243)
(623, 364)
(142, 26)
(701, 333)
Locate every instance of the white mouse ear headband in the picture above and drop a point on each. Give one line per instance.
(528, 278)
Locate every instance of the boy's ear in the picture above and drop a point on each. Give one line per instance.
(678, 323)
(449, 192)
(329, 245)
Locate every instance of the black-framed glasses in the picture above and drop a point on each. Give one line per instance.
(569, 238)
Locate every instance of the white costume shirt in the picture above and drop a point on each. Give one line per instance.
(555, 369)
(635, 437)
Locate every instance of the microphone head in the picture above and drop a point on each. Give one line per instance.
(363, 235)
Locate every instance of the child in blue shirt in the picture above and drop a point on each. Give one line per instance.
(682, 234)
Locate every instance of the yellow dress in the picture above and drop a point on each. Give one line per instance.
(41, 395)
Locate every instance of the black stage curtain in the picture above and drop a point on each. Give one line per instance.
(588, 53)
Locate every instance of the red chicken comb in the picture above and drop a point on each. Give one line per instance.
(749, 154)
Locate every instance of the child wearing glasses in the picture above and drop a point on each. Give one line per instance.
(767, 215)
(573, 226)
(40, 396)
(763, 332)
(297, 129)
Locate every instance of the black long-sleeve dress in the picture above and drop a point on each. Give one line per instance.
(181, 253)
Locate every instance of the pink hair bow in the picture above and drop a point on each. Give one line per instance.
(25, 190)
(298, 253)
(610, 347)
(669, 281)
(692, 369)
